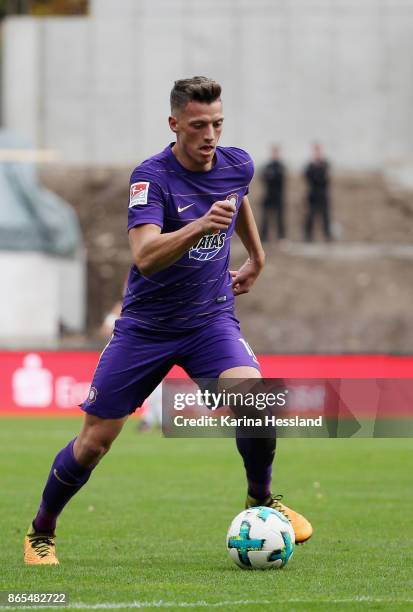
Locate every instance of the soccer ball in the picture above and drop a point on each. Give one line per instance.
(260, 538)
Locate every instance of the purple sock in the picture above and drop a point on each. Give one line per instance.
(66, 478)
(258, 455)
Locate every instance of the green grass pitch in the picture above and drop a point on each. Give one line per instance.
(150, 526)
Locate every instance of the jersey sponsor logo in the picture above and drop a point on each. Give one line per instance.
(207, 247)
(182, 208)
(139, 194)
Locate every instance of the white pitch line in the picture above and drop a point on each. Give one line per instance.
(203, 604)
(142, 604)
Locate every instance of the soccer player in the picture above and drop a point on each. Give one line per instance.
(185, 204)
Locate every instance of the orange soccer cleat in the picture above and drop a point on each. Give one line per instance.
(302, 528)
(40, 548)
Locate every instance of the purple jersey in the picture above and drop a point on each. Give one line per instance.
(198, 286)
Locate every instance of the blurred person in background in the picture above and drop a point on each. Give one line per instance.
(108, 324)
(317, 177)
(273, 177)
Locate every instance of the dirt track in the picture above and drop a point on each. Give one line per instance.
(344, 298)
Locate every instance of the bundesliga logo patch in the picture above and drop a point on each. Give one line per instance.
(207, 247)
(139, 194)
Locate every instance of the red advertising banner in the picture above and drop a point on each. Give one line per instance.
(54, 383)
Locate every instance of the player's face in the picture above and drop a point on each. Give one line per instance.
(198, 127)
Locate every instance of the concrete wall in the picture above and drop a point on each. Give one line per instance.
(96, 88)
(42, 293)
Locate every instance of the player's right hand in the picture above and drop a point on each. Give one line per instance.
(219, 217)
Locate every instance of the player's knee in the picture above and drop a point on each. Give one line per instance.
(92, 448)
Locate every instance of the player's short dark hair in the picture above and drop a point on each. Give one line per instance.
(199, 89)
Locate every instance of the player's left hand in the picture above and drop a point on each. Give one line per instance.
(244, 278)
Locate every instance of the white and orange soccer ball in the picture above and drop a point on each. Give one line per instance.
(260, 538)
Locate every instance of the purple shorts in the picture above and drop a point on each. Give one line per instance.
(136, 360)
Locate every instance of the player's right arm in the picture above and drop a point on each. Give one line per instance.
(153, 251)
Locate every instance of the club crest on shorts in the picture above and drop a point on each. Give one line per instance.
(139, 194)
(92, 395)
(207, 247)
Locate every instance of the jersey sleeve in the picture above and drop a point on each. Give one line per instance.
(244, 162)
(249, 171)
(146, 200)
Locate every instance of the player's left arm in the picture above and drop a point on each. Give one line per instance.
(246, 228)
